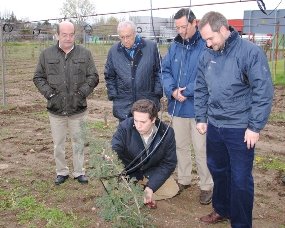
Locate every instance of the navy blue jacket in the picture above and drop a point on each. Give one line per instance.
(128, 143)
(179, 69)
(129, 80)
(234, 86)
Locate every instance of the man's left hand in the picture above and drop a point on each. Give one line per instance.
(251, 138)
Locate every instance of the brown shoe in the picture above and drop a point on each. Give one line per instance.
(212, 218)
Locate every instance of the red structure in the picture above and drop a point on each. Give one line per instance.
(237, 23)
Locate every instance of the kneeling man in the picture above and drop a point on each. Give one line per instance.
(147, 148)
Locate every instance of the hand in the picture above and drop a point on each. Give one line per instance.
(177, 94)
(148, 198)
(202, 128)
(251, 138)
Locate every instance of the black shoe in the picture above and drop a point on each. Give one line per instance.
(82, 179)
(60, 179)
(183, 187)
(206, 197)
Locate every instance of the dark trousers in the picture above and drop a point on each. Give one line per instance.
(230, 163)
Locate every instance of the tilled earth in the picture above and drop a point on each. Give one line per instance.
(26, 159)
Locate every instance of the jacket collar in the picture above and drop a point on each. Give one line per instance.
(120, 47)
(194, 39)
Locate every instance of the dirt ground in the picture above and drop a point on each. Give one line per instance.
(26, 160)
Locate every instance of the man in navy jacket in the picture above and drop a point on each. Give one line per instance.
(132, 71)
(147, 148)
(233, 98)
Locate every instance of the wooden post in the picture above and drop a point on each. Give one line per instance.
(2, 65)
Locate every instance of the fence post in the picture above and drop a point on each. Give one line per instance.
(2, 65)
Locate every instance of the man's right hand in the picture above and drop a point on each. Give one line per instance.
(202, 128)
(177, 94)
(148, 198)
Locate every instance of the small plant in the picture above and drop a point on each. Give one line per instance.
(122, 201)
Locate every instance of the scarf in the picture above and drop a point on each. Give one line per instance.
(131, 51)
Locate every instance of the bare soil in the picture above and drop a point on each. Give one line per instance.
(26, 159)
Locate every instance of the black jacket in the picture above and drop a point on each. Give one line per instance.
(66, 80)
(128, 143)
(129, 80)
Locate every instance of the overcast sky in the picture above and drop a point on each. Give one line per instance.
(32, 10)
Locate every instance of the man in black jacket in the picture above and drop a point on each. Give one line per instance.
(132, 71)
(147, 148)
(65, 76)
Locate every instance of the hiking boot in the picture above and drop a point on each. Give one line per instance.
(205, 197)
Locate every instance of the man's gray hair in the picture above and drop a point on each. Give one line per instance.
(124, 24)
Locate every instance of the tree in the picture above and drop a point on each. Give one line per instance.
(77, 10)
(106, 27)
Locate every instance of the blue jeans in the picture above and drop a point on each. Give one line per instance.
(230, 163)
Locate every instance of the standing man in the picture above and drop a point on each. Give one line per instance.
(233, 99)
(146, 147)
(179, 70)
(65, 76)
(132, 71)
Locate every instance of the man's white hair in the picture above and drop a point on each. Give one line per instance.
(124, 24)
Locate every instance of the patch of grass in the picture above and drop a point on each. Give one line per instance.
(278, 72)
(41, 115)
(99, 125)
(270, 163)
(30, 212)
(277, 116)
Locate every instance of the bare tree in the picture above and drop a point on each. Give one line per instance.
(77, 10)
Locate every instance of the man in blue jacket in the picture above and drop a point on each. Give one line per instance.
(179, 69)
(147, 148)
(233, 100)
(132, 71)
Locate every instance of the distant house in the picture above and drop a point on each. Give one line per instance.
(159, 28)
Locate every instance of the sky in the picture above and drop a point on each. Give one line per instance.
(34, 10)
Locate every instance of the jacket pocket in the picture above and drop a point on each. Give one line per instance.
(55, 104)
(53, 66)
(79, 68)
(78, 102)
